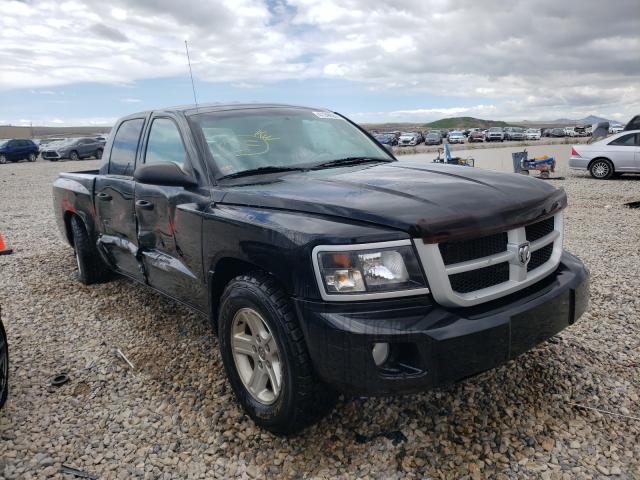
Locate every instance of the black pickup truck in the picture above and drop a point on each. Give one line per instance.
(323, 263)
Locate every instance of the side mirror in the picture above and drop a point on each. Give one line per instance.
(164, 173)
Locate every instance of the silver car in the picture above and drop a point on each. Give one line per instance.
(613, 155)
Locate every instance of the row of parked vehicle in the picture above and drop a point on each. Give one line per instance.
(437, 137)
(53, 149)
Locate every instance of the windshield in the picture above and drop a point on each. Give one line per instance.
(3, 142)
(249, 139)
(495, 129)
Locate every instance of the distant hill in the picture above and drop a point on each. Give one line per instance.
(465, 122)
(589, 120)
(12, 131)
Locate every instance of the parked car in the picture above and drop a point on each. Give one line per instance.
(408, 139)
(532, 134)
(608, 157)
(616, 128)
(557, 132)
(513, 133)
(323, 263)
(570, 132)
(386, 138)
(48, 141)
(4, 365)
(456, 137)
(16, 149)
(495, 134)
(73, 149)
(433, 138)
(476, 136)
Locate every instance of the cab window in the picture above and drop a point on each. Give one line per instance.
(125, 145)
(165, 143)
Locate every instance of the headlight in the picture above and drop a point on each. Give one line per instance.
(358, 272)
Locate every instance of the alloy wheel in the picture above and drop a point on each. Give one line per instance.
(256, 356)
(600, 169)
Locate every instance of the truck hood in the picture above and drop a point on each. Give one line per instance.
(430, 201)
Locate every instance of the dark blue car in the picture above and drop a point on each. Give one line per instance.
(16, 149)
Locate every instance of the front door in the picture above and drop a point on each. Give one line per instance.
(169, 223)
(114, 198)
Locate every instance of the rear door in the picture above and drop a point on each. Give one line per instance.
(114, 197)
(13, 150)
(623, 152)
(84, 147)
(169, 217)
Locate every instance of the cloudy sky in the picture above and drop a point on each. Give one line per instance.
(90, 61)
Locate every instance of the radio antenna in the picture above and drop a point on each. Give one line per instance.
(193, 87)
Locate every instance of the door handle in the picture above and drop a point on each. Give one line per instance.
(105, 197)
(143, 204)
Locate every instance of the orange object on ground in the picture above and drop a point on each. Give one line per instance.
(4, 250)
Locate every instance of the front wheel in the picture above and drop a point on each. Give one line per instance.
(99, 154)
(74, 156)
(32, 157)
(602, 169)
(3, 159)
(266, 358)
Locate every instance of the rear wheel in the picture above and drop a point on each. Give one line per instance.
(266, 358)
(4, 366)
(602, 169)
(99, 153)
(91, 268)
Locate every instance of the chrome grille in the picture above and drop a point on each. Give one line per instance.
(469, 272)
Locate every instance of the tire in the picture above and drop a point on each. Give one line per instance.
(74, 156)
(32, 157)
(99, 153)
(601, 169)
(91, 268)
(4, 366)
(255, 303)
(3, 159)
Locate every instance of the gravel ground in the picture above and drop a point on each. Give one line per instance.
(175, 416)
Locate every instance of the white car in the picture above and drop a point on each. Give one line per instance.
(408, 139)
(532, 134)
(614, 155)
(570, 132)
(456, 137)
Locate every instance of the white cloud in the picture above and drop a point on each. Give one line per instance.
(530, 58)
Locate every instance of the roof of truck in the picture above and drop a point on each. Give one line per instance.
(191, 109)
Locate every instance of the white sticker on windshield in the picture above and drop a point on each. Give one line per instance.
(327, 115)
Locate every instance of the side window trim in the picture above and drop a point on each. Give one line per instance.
(115, 135)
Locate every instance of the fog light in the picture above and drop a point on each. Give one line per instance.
(380, 353)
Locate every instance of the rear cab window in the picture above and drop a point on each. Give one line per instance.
(125, 146)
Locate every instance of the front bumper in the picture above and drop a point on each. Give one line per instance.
(430, 345)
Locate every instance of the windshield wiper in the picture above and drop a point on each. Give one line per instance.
(350, 161)
(262, 170)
